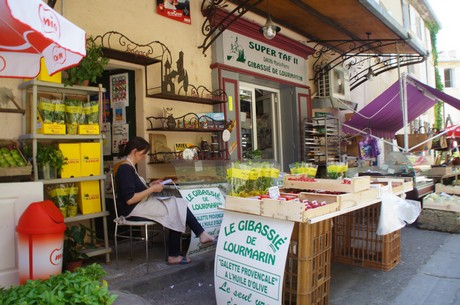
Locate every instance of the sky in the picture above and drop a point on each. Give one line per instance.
(447, 12)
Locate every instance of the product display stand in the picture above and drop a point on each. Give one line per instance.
(32, 90)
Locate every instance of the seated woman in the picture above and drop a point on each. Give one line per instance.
(136, 199)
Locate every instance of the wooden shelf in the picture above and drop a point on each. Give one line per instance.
(188, 99)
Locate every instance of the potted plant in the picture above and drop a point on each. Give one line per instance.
(90, 67)
(74, 246)
(50, 160)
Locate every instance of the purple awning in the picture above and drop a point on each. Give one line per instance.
(383, 116)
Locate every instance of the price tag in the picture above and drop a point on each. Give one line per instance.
(274, 192)
(198, 166)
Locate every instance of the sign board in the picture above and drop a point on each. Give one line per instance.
(204, 205)
(256, 56)
(250, 259)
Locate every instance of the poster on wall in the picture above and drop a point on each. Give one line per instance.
(178, 10)
(118, 113)
(204, 203)
(250, 259)
(119, 89)
(120, 135)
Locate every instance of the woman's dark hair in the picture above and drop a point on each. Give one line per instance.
(137, 143)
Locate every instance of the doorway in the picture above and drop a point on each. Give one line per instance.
(260, 126)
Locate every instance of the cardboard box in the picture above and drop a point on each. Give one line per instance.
(89, 197)
(71, 152)
(90, 158)
(50, 128)
(88, 129)
(44, 74)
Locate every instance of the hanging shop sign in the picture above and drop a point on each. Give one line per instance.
(250, 259)
(256, 56)
(178, 10)
(204, 204)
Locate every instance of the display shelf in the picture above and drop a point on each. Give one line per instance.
(81, 217)
(71, 180)
(187, 129)
(38, 136)
(31, 91)
(321, 141)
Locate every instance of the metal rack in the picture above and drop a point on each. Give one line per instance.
(321, 140)
(31, 91)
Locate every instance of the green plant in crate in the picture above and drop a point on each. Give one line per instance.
(84, 286)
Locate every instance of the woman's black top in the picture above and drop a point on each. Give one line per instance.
(127, 183)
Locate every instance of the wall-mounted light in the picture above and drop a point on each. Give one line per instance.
(370, 73)
(269, 29)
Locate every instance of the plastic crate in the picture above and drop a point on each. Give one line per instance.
(356, 243)
(308, 265)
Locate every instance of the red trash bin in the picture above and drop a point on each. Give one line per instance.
(40, 241)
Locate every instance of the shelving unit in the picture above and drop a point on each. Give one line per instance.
(321, 140)
(31, 91)
(185, 124)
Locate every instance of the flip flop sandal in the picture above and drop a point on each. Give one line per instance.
(183, 261)
(209, 243)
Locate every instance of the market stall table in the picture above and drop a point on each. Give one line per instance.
(306, 274)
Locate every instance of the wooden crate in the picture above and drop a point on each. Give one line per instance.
(15, 171)
(243, 205)
(445, 205)
(449, 189)
(357, 184)
(294, 210)
(308, 265)
(438, 171)
(398, 185)
(356, 243)
(345, 200)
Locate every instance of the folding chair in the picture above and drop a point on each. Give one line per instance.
(133, 226)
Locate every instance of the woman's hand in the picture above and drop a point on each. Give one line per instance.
(155, 187)
(152, 182)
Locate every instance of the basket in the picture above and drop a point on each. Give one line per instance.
(356, 243)
(308, 266)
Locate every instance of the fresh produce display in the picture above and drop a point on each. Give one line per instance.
(337, 170)
(64, 196)
(46, 110)
(308, 204)
(11, 157)
(251, 178)
(313, 204)
(302, 177)
(91, 112)
(73, 115)
(309, 169)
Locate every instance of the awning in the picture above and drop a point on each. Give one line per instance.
(383, 117)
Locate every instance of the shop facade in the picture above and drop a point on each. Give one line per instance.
(268, 85)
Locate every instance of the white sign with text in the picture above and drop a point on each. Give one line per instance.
(250, 259)
(256, 56)
(204, 205)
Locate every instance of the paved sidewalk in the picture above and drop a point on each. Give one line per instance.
(429, 274)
